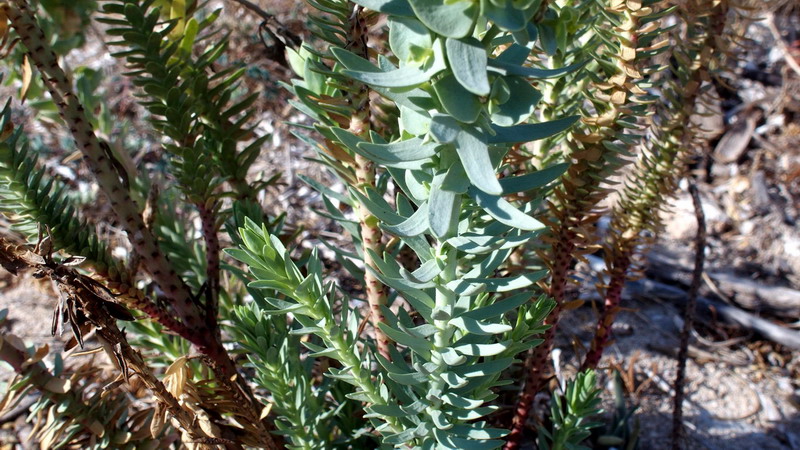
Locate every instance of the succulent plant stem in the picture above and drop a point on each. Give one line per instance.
(209, 227)
(613, 295)
(365, 178)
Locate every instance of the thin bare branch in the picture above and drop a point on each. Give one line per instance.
(688, 316)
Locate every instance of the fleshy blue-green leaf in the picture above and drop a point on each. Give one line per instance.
(499, 308)
(449, 441)
(531, 131)
(478, 431)
(504, 68)
(461, 402)
(413, 122)
(504, 212)
(407, 150)
(470, 286)
(483, 369)
(454, 380)
(378, 207)
(409, 39)
(385, 411)
(406, 435)
(426, 272)
(443, 210)
(506, 16)
(520, 105)
(473, 326)
(453, 19)
(444, 129)
(472, 414)
(418, 345)
(393, 7)
(474, 155)
(483, 349)
(415, 225)
(533, 180)
(468, 59)
(415, 99)
(463, 105)
(452, 358)
(515, 54)
(456, 180)
(547, 37)
(402, 77)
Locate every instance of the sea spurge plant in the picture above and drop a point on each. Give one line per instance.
(608, 135)
(475, 142)
(571, 413)
(437, 393)
(461, 109)
(274, 353)
(636, 218)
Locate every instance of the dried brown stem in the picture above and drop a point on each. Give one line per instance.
(292, 40)
(537, 366)
(100, 162)
(769, 19)
(95, 311)
(688, 316)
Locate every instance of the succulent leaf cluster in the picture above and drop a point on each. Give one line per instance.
(571, 413)
(464, 95)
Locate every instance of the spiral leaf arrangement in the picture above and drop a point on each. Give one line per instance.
(598, 149)
(636, 218)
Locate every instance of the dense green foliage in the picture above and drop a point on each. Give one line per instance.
(475, 140)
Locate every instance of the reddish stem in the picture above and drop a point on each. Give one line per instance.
(209, 226)
(611, 304)
(537, 365)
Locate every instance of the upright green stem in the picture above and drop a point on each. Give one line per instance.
(334, 337)
(445, 301)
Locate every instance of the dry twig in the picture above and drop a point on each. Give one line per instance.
(688, 315)
(769, 20)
